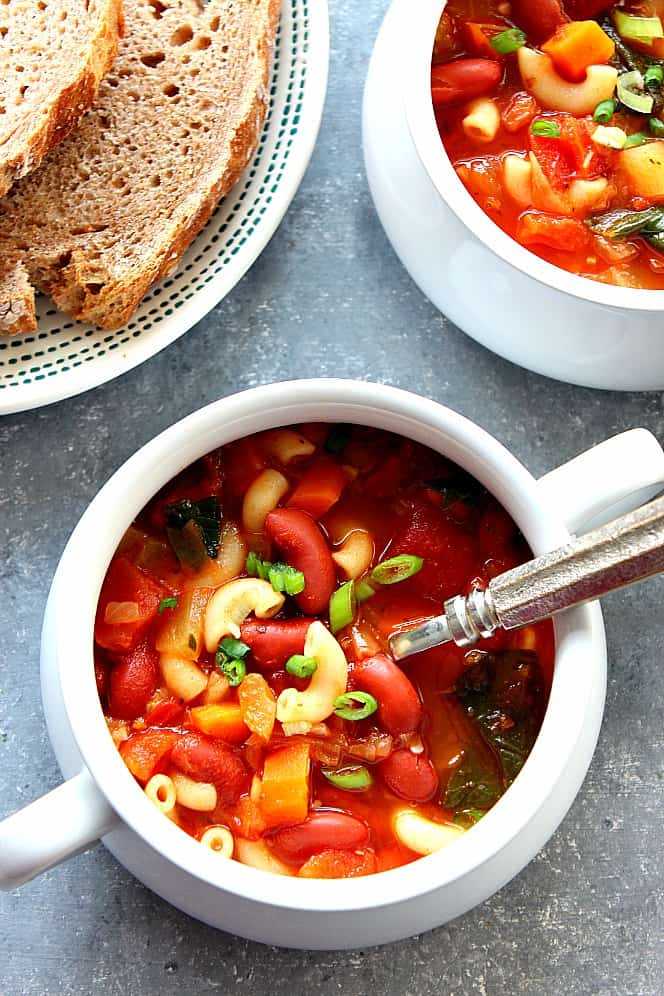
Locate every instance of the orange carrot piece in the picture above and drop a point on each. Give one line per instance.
(221, 719)
(257, 705)
(477, 38)
(320, 488)
(285, 786)
(143, 752)
(339, 864)
(577, 45)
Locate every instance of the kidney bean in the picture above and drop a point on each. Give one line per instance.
(321, 831)
(399, 708)
(301, 543)
(410, 776)
(132, 681)
(208, 760)
(464, 79)
(272, 642)
(541, 19)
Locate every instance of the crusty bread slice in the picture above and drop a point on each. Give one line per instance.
(53, 55)
(113, 208)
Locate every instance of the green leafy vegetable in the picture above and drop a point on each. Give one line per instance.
(282, 577)
(167, 603)
(229, 660)
(338, 439)
(194, 529)
(621, 223)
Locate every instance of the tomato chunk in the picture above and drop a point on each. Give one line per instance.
(124, 582)
(554, 231)
(144, 752)
(339, 864)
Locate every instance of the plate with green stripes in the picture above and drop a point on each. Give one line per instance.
(64, 357)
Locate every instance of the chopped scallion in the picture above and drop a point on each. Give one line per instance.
(604, 111)
(641, 29)
(353, 779)
(656, 127)
(229, 660)
(610, 138)
(167, 603)
(300, 666)
(638, 138)
(653, 77)
(631, 92)
(396, 569)
(282, 577)
(343, 606)
(363, 591)
(545, 129)
(508, 41)
(345, 707)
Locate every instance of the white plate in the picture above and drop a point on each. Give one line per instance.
(65, 357)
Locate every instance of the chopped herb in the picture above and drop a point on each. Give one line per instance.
(545, 129)
(363, 590)
(338, 439)
(396, 569)
(229, 660)
(637, 138)
(345, 707)
(300, 666)
(282, 577)
(194, 528)
(508, 41)
(167, 603)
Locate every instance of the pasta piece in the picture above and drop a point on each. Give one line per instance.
(257, 854)
(183, 678)
(262, 495)
(517, 179)
(421, 835)
(286, 445)
(558, 94)
(482, 121)
(328, 682)
(160, 790)
(199, 796)
(220, 840)
(233, 602)
(355, 554)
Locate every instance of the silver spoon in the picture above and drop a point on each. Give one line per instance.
(620, 553)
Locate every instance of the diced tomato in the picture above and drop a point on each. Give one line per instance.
(258, 706)
(144, 752)
(519, 112)
(124, 582)
(319, 488)
(339, 864)
(569, 155)
(169, 712)
(553, 231)
(132, 681)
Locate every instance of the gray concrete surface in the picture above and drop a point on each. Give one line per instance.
(328, 297)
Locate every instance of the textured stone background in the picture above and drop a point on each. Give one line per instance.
(328, 297)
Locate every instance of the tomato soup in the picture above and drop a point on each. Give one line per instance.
(242, 655)
(552, 113)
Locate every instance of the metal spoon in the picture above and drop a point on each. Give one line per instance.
(620, 553)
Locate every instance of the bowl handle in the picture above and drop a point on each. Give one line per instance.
(55, 827)
(606, 481)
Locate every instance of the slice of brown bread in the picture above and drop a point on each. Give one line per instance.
(53, 55)
(113, 208)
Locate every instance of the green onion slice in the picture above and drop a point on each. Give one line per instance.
(656, 127)
(300, 666)
(631, 92)
(229, 660)
(364, 590)
(508, 41)
(345, 708)
(653, 77)
(343, 606)
(353, 779)
(637, 28)
(282, 577)
(396, 569)
(338, 439)
(167, 603)
(545, 129)
(638, 138)
(610, 138)
(233, 670)
(604, 111)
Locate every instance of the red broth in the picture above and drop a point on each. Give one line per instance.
(196, 727)
(588, 208)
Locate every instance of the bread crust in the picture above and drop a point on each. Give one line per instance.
(69, 270)
(69, 105)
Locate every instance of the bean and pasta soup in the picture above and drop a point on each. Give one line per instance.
(242, 658)
(552, 113)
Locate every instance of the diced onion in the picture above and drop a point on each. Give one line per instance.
(631, 92)
(117, 613)
(610, 138)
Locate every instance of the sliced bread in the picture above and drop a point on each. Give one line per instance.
(53, 55)
(113, 208)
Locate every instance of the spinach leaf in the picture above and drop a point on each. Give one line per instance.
(186, 520)
(472, 785)
(620, 224)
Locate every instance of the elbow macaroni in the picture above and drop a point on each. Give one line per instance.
(328, 682)
(557, 94)
(421, 835)
(160, 790)
(183, 678)
(199, 796)
(482, 121)
(355, 554)
(262, 495)
(231, 604)
(220, 840)
(257, 854)
(286, 445)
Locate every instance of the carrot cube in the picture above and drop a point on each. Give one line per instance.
(221, 719)
(577, 45)
(285, 786)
